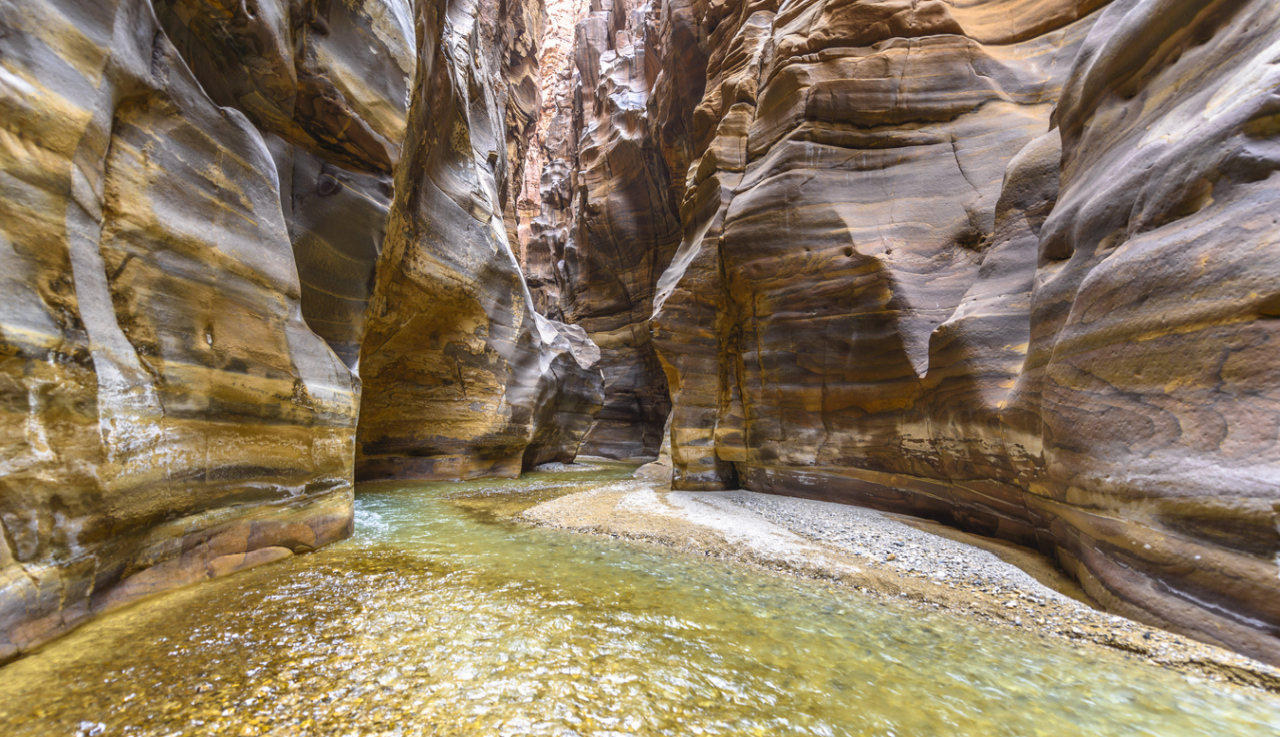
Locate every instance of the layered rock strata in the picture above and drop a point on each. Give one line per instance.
(193, 208)
(1002, 264)
(168, 414)
(328, 83)
(329, 76)
(1154, 358)
(458, 368)
(337, 222)
(607, 225)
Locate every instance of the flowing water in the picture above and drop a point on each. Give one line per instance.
(441, 616)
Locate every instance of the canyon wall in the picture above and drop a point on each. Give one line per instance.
(458, 368)
(1004, 264)
(168, 414)
(1154, 360)
(193, 206)
(605, 226)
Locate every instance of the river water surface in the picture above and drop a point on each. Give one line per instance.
(442, 616)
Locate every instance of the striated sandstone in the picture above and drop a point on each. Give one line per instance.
(168, 416)
(328, 82)
(195, 199)
(329, 76)
(337, 221)
(607, 225)
(1154, 354)
(458, 369)
(1001, 264)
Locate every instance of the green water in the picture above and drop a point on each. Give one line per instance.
(441, 617)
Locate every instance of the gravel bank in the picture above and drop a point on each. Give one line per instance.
(869, 534)
(881, 557)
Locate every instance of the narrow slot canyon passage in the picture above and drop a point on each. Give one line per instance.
(645, 367)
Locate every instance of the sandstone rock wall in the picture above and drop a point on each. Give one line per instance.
(168, 415)
(328, 84)
(608, 226)
(193, 206)
(1154, 362)
(1004, 264)
(458, 368)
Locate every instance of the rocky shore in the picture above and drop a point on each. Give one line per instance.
(888, 557)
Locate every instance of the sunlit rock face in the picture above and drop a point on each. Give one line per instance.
(608, 225)
(168, 415)
(458, 369)
(1004, 264)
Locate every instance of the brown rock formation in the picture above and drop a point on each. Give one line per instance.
(545, 209)
(901, 284)
(458, 368)
(1006, 264)
(337, 221)
(332, 79)
(189, 186)
(1154, 356)
(328, 75)
(168, 416)
(608, 225)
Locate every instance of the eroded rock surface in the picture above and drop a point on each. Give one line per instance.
(458, 368)
(328, 75)
(607, 225)
(328, 83)
(193, 208)
(1154, 363)
(906, 281)
(1006, 264)
(337, 221)
(168, 415)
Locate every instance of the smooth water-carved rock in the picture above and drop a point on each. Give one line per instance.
(1154, 362)
(328, 82)
(1009, 265)
(168, 416)
(458, 368)
(328, 76)
(570, 394)
(607, 225)
(337, 221)
(906, 281)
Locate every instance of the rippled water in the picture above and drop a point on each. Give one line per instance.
(442, 617)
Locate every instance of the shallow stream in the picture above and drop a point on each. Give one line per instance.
(442, 616)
